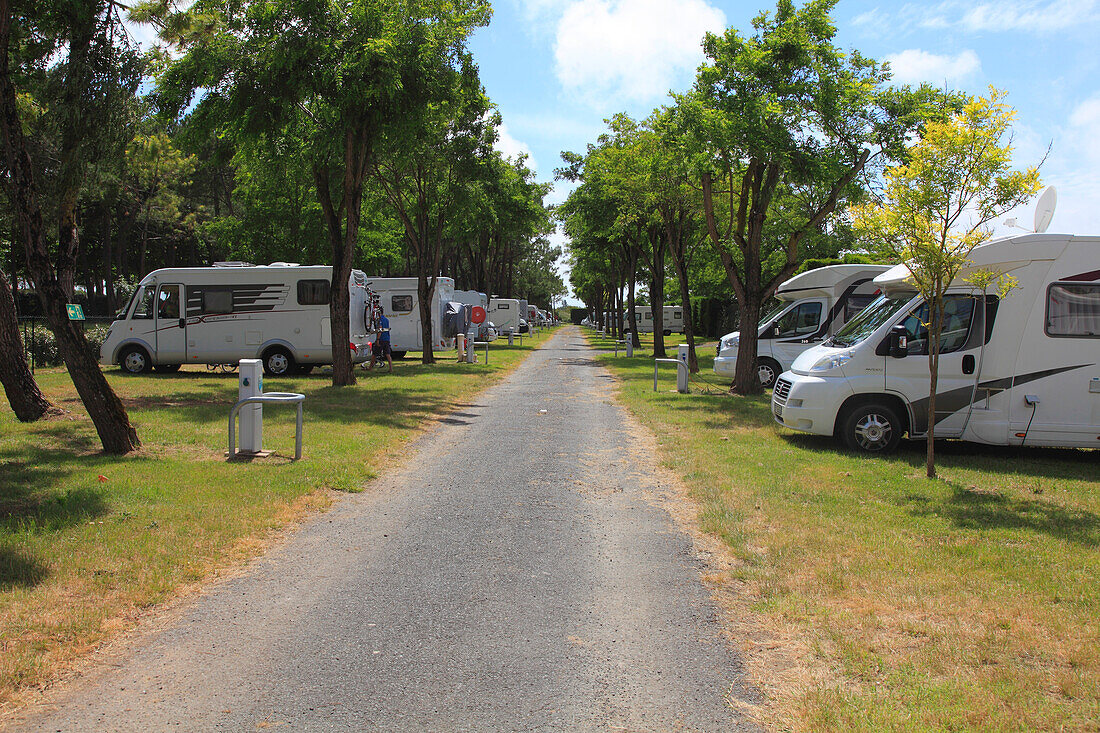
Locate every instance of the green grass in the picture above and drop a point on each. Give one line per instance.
(89, 541)
(894, 602)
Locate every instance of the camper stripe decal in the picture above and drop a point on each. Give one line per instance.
(954, 400)
(1083, 277)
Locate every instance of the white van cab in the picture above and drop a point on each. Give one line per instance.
(813, 305)
(1022, 370)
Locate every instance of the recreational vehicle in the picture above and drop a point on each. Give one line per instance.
(1018, 370)
(219, 315)
(672, 319)
(398, 297)
(505, 313)
(813, 305)
(474, 298)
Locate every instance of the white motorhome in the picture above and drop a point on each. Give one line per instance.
(1022, 370)
(219, 315)
(672, 320)
(399, 301)
(474, 298)
(505, 313)
(813, 305)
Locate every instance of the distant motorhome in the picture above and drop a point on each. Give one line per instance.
(1019, 370)
(219, 315)
(672, 319)
(505, 313)
(399, 300)
(813, 305)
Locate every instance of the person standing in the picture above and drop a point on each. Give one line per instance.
(381, 347)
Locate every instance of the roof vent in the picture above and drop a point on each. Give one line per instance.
(233, 263)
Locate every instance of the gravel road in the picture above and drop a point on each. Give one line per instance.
(515, 574)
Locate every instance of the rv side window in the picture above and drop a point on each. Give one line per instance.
(1073, 310)
(401, 304)
(502, 306)
(217, 300)
(313, 292)
(677, 314)
(958, 311)
(144, 307)
(800, 321)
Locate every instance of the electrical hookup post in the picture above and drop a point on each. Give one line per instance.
(682, 374)
(252, 415)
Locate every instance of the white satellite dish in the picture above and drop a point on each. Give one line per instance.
(1044, 210)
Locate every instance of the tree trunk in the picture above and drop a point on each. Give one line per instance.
(746, 378)
(104, 407)
(657, 295)
(424, 287)
(678, 261)
(26, 400)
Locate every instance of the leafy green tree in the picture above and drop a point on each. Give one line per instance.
(76, 47)
(331, 77)
(782, 124)
(936, 209)
(156, 171)
(426, 167)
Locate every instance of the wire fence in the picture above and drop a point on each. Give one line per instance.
(39, 344)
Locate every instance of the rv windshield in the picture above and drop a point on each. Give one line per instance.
(774, 313)
(868, 320)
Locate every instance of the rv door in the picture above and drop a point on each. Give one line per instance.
(171, 330)
(961, 342)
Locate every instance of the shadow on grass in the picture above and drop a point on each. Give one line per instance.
(27, 500)
(18, 570)
(969, 509)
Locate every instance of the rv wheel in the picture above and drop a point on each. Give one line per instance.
(667, 332)
(872, 429)
(166, 368)
(398, 355)
(134, 360)
(278, 362)
(768, 369)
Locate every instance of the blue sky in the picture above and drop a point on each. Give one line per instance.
(558, 68)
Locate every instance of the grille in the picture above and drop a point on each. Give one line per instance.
(782, 389)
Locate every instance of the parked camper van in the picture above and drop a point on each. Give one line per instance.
(1022, 370)
(505, 313)
(813, 305)
(672, 320)
(219, 315)
(398, 298)
(486, 331)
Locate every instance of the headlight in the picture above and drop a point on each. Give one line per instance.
(832, 361)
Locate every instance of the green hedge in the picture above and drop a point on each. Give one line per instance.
(40, 343)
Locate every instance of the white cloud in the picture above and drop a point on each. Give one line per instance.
(1009, 15)
(612, 52)
(1082, 138)
(913, 66)
(513, 148)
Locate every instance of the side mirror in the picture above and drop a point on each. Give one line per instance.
(899, 341)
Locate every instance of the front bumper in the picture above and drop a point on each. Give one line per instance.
(809, 404)
(725, 366)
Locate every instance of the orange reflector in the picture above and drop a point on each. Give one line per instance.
(1021, 435)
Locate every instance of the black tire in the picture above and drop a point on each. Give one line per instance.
(769, 371)
(166, 368)
(278, 362)
(395, 355)
(135, 360)
(872, 428)
(667, 332)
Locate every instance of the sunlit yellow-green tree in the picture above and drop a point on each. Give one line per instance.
(936, 209)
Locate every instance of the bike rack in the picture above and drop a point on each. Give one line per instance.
(284, 398)
(475, 344)
(681, 370)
